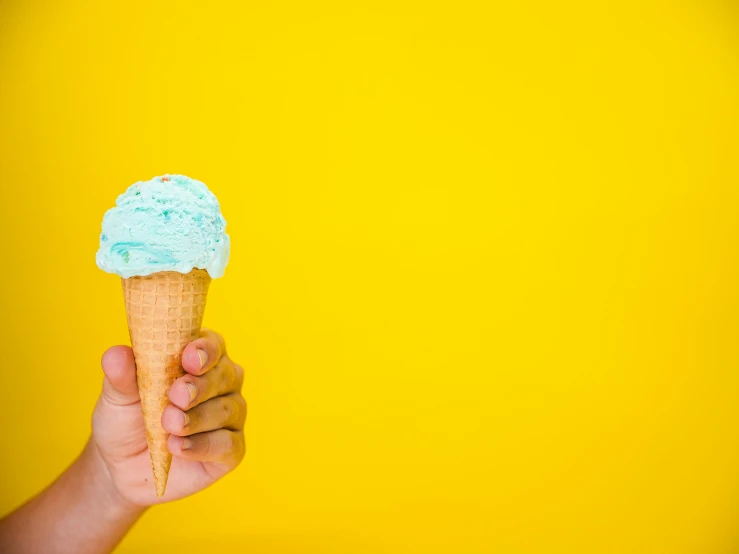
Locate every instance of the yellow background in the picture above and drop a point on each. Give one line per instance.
(485, 263)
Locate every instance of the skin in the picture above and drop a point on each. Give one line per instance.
(100, 496)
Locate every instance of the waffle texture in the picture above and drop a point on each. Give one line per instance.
(165, 312)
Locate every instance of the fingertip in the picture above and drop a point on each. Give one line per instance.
(119, 367)
(180, 446)
(117, 360)
(174, 444)
(115, 353)
(195, 359)
(180, 394)
(174, 420)
(203, 353)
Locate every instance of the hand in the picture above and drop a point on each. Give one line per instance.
(205, 418)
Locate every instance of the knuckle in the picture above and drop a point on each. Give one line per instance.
(241, 408)
(207, 445)
(228, 409)
(215, 339)
(228, 442)
(239, 374)
(221, 343)
(241, 448)
(224, 380)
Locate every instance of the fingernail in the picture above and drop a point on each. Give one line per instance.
(186, 418)
(203, 358)
(186, 443)
(193, 390)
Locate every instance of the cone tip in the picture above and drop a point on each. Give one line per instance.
(161, 485)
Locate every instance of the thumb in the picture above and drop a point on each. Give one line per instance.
(119, 385)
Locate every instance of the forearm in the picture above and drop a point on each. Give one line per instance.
(80, 513)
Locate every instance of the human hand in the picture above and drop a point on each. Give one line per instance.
(205, 418)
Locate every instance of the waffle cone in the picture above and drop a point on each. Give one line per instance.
(164, 311)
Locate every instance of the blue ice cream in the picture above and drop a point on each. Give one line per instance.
(169, 223)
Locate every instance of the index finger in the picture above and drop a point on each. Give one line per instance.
(203, 353)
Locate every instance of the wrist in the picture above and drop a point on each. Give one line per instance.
(82, 512)
(113, 503)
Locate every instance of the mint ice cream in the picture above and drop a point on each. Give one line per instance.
(169, 223)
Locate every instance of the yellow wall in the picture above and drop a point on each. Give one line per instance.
(485, 264)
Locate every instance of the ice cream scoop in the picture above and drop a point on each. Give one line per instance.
(169, 223)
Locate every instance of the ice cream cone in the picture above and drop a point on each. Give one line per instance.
(164, 311)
